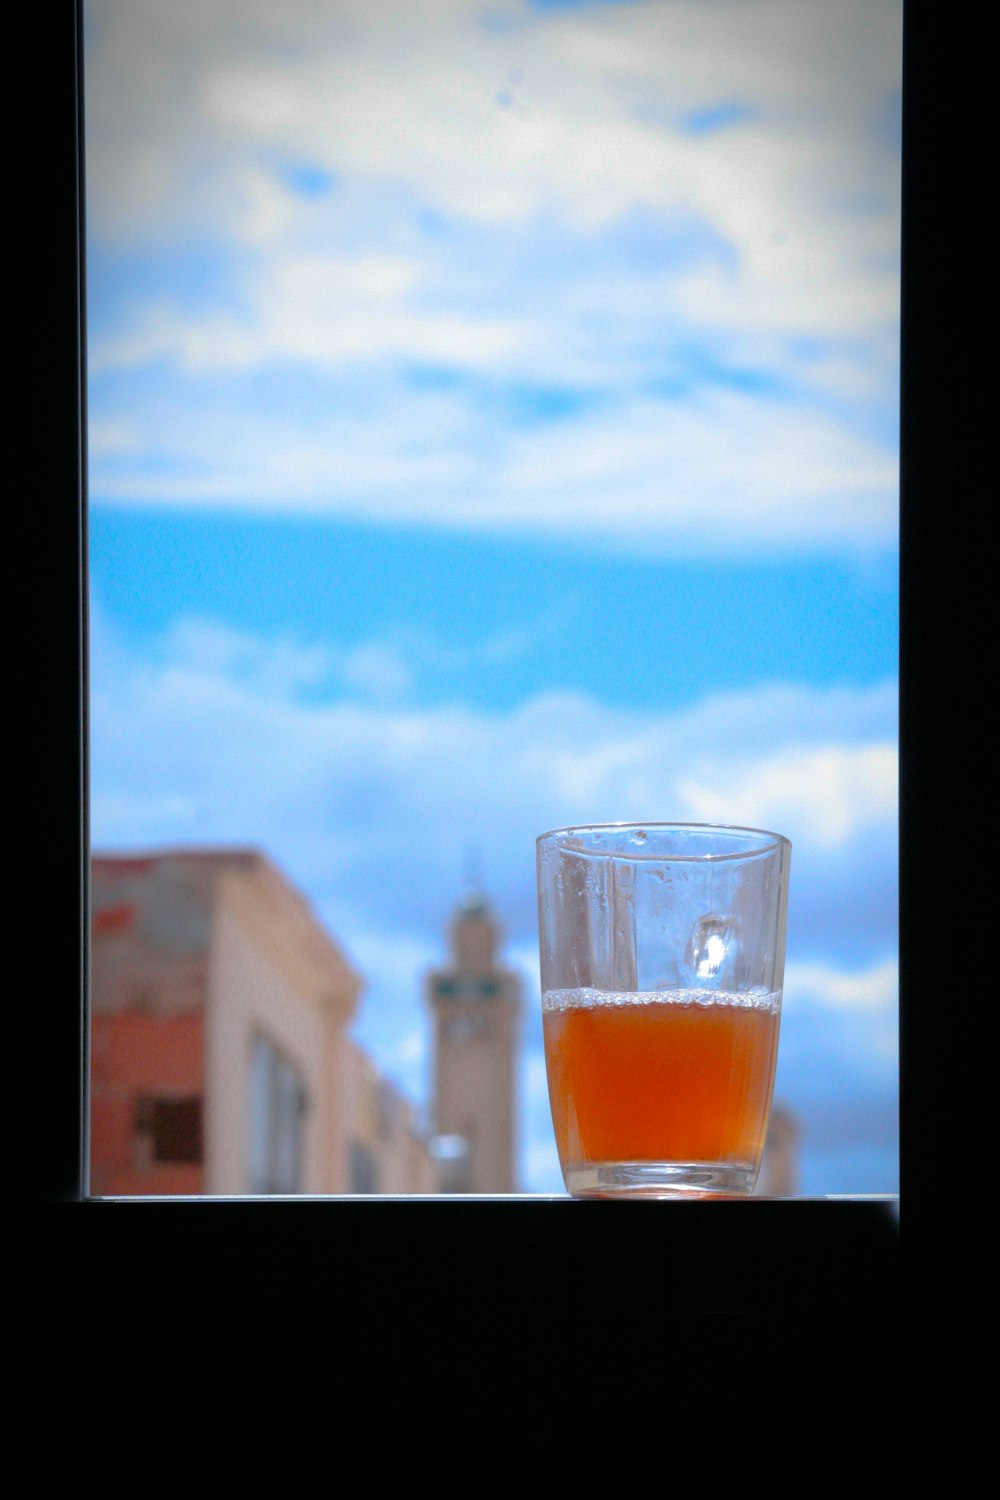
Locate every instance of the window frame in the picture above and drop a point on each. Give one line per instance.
(274, 1078)
(819, 1256)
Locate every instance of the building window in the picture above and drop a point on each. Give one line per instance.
(171, 1126)
(277, 1110)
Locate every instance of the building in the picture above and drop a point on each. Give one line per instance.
(779, 1168)
(475, 1006)
(220, 1060)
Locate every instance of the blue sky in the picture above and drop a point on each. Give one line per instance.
(493, 425)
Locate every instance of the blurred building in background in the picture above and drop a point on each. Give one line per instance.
(220, 1062)
(475, 1006)
(779, 1168)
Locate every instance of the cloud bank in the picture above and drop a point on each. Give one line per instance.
(623, 273)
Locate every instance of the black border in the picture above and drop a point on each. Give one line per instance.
(46, 297)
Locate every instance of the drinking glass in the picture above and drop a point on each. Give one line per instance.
(662, 952)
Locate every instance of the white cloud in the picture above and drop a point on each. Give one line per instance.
(724, 473)
(391, 667)
(380, 91)
(112, 438)
(529, 134)
(831, 793)
(327, 310)
(873, 989)
(379, 671)
(272, 667)
(215, 740)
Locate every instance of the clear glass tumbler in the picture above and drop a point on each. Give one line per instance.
(662, 958)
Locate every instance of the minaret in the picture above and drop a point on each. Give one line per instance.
(475, 1004)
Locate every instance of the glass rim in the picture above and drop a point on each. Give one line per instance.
(771, 841)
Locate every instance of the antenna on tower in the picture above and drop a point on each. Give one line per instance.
(473, 893)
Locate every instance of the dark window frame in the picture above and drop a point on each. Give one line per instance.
(821, 1257)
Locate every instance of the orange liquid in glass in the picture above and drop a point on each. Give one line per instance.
(686, 1077)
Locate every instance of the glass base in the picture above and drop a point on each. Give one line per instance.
(660, 1179)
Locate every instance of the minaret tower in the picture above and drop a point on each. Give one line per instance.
(476, 1005)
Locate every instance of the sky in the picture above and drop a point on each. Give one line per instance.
(493, 425)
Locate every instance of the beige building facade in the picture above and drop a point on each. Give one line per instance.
(221, 1062)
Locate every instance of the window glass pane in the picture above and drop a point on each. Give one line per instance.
(277, 1107)
(493, 426)
(260, 1117)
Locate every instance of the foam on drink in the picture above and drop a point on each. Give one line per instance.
(584, 999)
